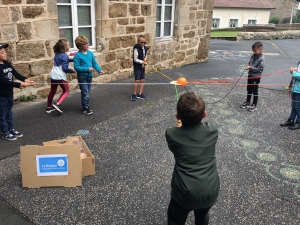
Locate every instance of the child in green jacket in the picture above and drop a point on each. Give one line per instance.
(195, 180)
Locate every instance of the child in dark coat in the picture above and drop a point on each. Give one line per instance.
(195, 180)
(7, 84)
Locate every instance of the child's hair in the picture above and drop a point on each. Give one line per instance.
(60, 46)
(256, 45)
(190, 108)
(81, 40)
(141, 36)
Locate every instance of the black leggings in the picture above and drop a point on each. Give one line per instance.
(177, 214)
(252, 88)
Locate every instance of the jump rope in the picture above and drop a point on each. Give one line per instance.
(207, 102)
(238, 79)
(207, 82)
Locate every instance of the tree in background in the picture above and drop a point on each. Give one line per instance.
(296, 18)
(275, 19)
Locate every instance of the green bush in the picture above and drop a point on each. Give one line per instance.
(274, 19)
(22, 98)
(29, 98)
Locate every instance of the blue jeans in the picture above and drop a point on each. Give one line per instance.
(295, 112)
(6, 119)
(85, 84)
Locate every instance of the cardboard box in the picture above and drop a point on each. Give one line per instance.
(34, 177)
(88, 163)
(57, 163)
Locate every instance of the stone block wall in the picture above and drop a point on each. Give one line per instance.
(288, 34)
(258, 27)
(122, 21)
(31, 29)
(282, 27)
(270, 27)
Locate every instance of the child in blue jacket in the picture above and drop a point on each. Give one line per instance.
(85, 63)
(293, 121)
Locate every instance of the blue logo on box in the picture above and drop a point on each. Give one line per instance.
(52, 165)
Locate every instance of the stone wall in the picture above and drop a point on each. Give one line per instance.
(270, 27)
(227, 29)
(122, 21)
(283, 8)
(290, 34)
(31, 29)
(282, 27)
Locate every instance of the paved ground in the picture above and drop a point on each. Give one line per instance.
(257, 159)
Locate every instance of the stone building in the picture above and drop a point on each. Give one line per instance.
(283, 8)
(177, 32)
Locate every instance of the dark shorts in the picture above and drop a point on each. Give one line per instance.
(139, 74)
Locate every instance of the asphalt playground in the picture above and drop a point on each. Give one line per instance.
(258, 161)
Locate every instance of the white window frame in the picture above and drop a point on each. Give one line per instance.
(237, 23)
(252, 20)
(216, 21)
(162, 21)
(75, 27)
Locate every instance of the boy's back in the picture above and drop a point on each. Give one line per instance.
(195, 181)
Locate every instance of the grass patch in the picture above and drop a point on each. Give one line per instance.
(224, 33)
(44, 95)
(29, 98)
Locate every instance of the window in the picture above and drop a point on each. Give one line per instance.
(215, 23)
(233, 23)
(164, 18)
(251, 21)
(76, 17)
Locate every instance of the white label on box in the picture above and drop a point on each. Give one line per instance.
(52, 165)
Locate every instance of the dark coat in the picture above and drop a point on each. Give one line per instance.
(195, 180)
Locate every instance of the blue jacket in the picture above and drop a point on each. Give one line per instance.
(82, 63)
(296, 83)
(60, 67)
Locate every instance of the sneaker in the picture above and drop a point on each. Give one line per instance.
(141, 96)
(9, 136)
(49, 109)
(133, 97)
(57, 107)
(245, 105)
(288, 123)
(87, 111)
(296, 126)
(16, 133)
(252, 108)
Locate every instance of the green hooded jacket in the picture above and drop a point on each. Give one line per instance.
(195, 180)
